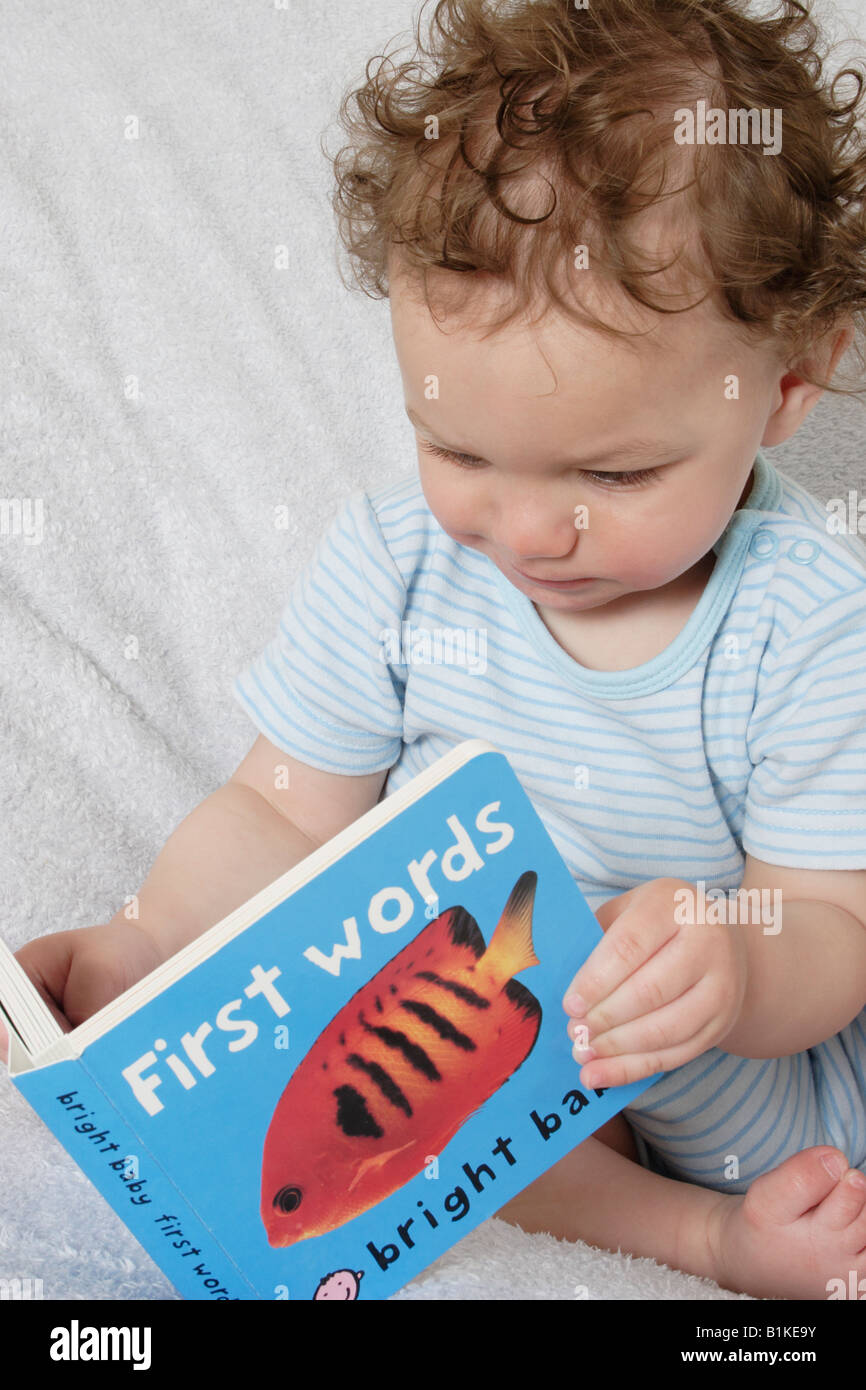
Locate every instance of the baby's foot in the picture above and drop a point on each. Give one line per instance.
(797, 1228)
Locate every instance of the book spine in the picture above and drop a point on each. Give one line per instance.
(110, 1153)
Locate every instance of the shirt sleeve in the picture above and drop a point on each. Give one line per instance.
(322, 689)
(806, 798)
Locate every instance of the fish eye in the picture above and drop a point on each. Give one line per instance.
(288, 1199)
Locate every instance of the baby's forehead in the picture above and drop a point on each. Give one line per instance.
(464, 311)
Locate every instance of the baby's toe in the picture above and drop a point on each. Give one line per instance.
(798, 1185)
(841, 1207)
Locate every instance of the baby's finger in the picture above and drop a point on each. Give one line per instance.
(622, 1071)
(658, 982)
(627, 945)
(667, 1027)
(643, 1048)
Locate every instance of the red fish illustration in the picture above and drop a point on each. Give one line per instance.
(400, 1068)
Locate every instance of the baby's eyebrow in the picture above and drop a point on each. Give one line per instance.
(632, 448)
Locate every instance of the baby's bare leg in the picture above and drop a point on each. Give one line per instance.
(796, 1228)
(600, 1194)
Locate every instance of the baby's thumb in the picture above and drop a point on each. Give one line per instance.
(4, 1044)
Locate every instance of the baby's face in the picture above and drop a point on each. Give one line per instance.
(551, 445)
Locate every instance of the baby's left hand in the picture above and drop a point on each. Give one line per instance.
(657, 992)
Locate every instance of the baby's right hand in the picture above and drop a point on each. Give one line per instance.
(78, 972)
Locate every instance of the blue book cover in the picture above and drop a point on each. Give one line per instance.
(325, 1091)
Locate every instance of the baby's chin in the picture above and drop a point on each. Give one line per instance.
(591, 593)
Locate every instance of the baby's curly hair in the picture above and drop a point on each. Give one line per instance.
(584, 99)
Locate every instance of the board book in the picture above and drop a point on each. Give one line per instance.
(324, 1091)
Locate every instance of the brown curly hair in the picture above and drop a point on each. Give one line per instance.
(581, 102)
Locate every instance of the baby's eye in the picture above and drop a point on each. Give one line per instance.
(462, 460)
(608, 480)
(635, 478)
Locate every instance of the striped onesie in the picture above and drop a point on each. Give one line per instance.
(746, 734)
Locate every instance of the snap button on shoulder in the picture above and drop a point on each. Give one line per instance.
(763, 544)
(804, 552)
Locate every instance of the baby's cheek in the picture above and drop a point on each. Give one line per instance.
(452, 510)
(661, 557)
(647, 571)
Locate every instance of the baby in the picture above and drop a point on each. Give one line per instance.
(667, 642)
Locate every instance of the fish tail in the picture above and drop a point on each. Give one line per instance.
(511, 949)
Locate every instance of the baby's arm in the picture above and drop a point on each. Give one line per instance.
(242, 837)
(806, 976)
(238, 840)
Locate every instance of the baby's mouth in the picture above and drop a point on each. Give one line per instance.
(552, 583)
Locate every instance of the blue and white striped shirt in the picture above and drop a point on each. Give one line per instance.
(747, 733)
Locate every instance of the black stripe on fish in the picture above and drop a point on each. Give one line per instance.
(415, 1055)
(353, 1117)
(463, 992)
(443, 1026)
(387, 1085)
(464, 931)
(524, 999)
